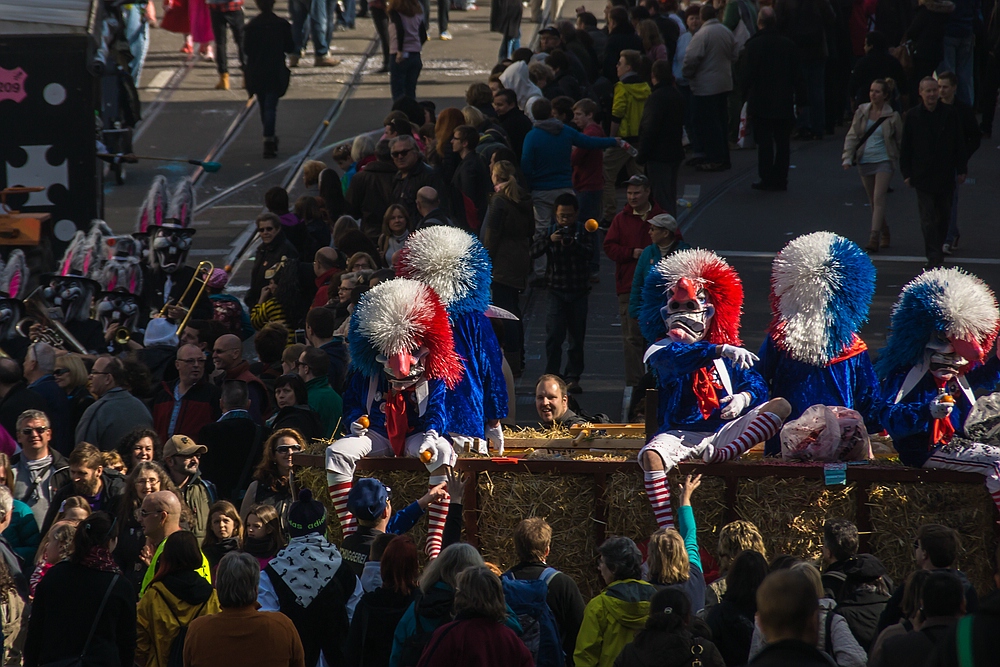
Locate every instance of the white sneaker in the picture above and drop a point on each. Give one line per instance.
(709, 452)
(946, 248)
(445, 36)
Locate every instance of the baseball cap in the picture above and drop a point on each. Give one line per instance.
(367, 499)
(551, 30)
(181, 445)
(638, 179)
(664, 221)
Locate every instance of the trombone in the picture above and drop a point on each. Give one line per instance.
(203, 269)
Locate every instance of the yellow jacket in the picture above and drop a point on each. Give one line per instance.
(159, 619)
(610, 621)
(628, 103)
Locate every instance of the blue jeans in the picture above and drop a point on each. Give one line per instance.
(350, 13)
(403, 76)
(311, 20)
(508, 45)
(813, 117)
(565, 320)
(268, 103)
(590, 207)
(958, 59)
(137, 33)
(710, 125)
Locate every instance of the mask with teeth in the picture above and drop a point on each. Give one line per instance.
(950, 357)
(170, 246)
(688, 313)
(72, 296)
(117, 308)
(404, 369)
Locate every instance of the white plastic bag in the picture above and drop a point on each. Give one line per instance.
(826, 433)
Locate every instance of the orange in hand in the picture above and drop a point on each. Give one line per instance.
(363, 421)
(947, 398)
(426, 456)
(591, 225)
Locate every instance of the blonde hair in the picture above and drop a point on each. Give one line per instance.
(506, 173)
(61, 532)
(735, 538)
(668, 558)
(473, 116)
(113, 460)
(813, 575)
(311, 171)
(77, 370)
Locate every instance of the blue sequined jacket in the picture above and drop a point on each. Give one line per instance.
(674, 365)
(481, 395)
(850, 383)
(909, 421)
(356, 404)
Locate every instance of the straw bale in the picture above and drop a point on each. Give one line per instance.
(790, 513)
(565, 501)
(898, 510)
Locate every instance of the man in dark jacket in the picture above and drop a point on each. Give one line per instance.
(102, 487)
(266, 40)
(772, 76)
(319, 333)
(941, 605)
(933, 159)
(805, 22)
(39, 471)
(234, 444)
(15, 397)
(413, 174)
(230, 365)
(621, 37)
(660, 132)
(368, 195)
(948, 82)
(511, 119)
(877, 63)
(429, 209)
(186, 405)
(273, 247)
(787, 612)
(532, 544)
(471, 177)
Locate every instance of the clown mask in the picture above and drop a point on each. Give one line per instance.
(951, 357)
(404, 369)
(688, 312)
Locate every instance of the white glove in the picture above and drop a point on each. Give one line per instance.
(741, 356)
(358, 430)
(733, 406)
(940, 409)
(441, 452)
(495, 436)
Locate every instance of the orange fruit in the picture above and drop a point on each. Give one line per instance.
(426, 456)
(363, 421)
(590, 225)
(947, 398)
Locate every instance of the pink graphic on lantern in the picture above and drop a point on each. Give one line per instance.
(12, 84)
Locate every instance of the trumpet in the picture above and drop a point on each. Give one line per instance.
(122, 336)
(204, 269)
(54, 332)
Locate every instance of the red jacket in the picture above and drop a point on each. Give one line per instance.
(478, 642)
(627, 232)
(322, 287)
(199, 406)
(588, 164)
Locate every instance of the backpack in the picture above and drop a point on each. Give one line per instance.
(527, 598)
(175, 657)
(859, 606)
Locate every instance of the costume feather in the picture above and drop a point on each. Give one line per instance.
(453, 263)
(821, 287)
(711, 273)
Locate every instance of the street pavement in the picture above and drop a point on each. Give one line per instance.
(745, 226)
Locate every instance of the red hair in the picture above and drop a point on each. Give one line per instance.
(399, 565)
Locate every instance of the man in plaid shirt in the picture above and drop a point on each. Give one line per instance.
(569, 249)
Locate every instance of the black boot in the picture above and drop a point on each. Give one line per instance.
(270, 147)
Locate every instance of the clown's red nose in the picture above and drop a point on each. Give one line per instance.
(685, 290)
(400, 364)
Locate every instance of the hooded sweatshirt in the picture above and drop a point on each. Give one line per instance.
(626, 107)
(168, 605)
(515, 77)
(611, 621)
(548, 149)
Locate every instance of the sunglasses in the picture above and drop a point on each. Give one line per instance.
(265, 229)
(144, 513)
(402, 153)
(38, 429)
(288, 449)
(59, 372)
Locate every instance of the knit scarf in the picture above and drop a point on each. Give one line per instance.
(99, 558)
(260, 547)
(306, 566)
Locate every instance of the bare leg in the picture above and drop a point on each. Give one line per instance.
(878, 198)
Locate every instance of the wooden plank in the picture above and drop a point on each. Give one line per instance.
(855, 473)
(571, 443)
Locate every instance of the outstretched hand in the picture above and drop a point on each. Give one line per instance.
(435, 494)
(688, 486)
(456, 484)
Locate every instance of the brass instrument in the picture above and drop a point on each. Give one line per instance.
(54, 332)
(122, 336)
(203, 269)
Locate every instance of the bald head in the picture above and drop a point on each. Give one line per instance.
(163, 501)
(325, 259)
(427, 200)
(228, 352)
(766, 18)
(160, 515)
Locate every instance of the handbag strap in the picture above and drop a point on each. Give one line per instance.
(97, 617)
(867, 135)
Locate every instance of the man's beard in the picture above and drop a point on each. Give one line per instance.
(86, 488)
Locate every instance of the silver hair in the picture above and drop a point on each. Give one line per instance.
(6, 503)
(364, 145)
(31, 415)
(236, 580)
(448, 564)
(408, 138)
(45, 357)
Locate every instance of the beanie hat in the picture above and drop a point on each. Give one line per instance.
(306, 515)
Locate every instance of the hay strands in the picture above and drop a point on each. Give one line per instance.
(512, 444)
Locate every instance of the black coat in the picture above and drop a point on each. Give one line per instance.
(517, 126)
(266, 40)
(404, 190)
(506, 234)
(772, 75)
(661, 648)
(624, 37)
(472, 179)
(662, 126)
(235, 446)
(368, 196)
(373, 625)
(933, 148)
(267, 256)
(875, 65)
(17, 400)
(301, 418)
(791, 653)
(505, 17)
(732, 631)
(65, 605)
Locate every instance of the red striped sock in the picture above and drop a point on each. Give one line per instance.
(995, 495)
(764, 426)
(338, 496)
(658, 492)
(437, 514)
